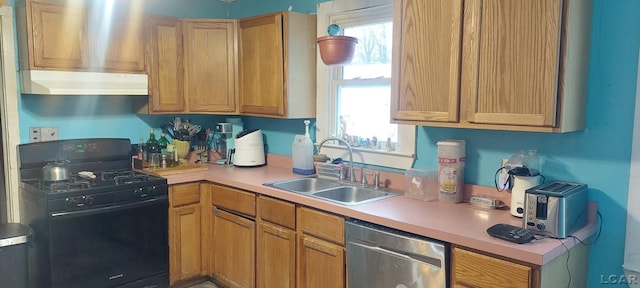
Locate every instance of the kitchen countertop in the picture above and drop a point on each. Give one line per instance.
(460, 223)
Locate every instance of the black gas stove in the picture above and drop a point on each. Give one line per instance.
(103, 226)
(107, 188)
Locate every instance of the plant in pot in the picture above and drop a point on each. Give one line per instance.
(336, 49)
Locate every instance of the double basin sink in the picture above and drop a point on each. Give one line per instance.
(345, 193)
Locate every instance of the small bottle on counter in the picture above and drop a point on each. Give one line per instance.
(141, 153)
(171, 159)
(163, 164)
(163, 142)
(152, 145)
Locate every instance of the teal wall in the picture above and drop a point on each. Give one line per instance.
(598, 156)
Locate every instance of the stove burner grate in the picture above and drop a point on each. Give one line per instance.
(119, 180)
(67, 185)
(109, 176)
(124, 177)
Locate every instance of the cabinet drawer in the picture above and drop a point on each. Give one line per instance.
(233, 199)
(320, 224)
(184, 194)
(479, 270)
(277, 211)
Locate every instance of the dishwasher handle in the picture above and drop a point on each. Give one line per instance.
(431, 261)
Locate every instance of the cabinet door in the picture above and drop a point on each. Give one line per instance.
(233, 240)
(261, 53)
(164, 50)
(122, 48)
(276, 254)
(185, 236)
(512, 61)
(426, 84)
(185, 232)
(470, 269)
(59, 38)
(210, 65)
(321, 263)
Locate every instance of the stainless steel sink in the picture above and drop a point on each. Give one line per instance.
(339, 192)
(352, 195)
(304, 185)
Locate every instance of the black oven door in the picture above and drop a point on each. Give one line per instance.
(110, 246)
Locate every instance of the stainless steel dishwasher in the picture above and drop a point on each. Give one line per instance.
(382, 257)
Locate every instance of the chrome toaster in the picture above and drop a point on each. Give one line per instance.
(555, 208)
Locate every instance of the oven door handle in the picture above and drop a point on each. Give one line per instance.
(119, 207)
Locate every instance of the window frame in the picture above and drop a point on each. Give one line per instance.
(349, 11)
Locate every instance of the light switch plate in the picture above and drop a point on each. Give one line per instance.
(49, 133)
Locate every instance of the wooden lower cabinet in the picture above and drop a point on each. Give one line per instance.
(321, 263)
(233, 241)
(232, 236)
(276, 243)
(321, 249)
(471, 269)
(185, 233)
(239, 239)
(276, 256)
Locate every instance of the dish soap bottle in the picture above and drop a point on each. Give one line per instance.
(302, 153)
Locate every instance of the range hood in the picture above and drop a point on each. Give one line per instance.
(45, 82)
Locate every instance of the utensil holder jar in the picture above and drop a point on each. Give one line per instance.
(182, 149)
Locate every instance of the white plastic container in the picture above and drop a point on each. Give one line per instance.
(302, 153)
(451, 160)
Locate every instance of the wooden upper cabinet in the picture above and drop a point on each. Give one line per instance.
(210, 65)
(262, 70)
(123, 47)
(515, 63)
(493, 64)
(277, 57)
(67, 36)
(164, 49)
(191, 65)
(53, 35)
(427, 73)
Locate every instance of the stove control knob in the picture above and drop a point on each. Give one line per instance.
(87, 200)
(139, 192)
(71, 202)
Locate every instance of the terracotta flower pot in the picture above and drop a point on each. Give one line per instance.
(337, 50)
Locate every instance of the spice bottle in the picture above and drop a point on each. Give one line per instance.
(163, 164)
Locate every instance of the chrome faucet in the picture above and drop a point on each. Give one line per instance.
(352, 177)
(363, 180)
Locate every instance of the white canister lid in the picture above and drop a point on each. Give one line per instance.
(451, 148)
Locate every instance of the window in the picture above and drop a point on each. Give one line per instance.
(353, 100)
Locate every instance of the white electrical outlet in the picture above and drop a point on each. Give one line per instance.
(35, 134)
(49, 133)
